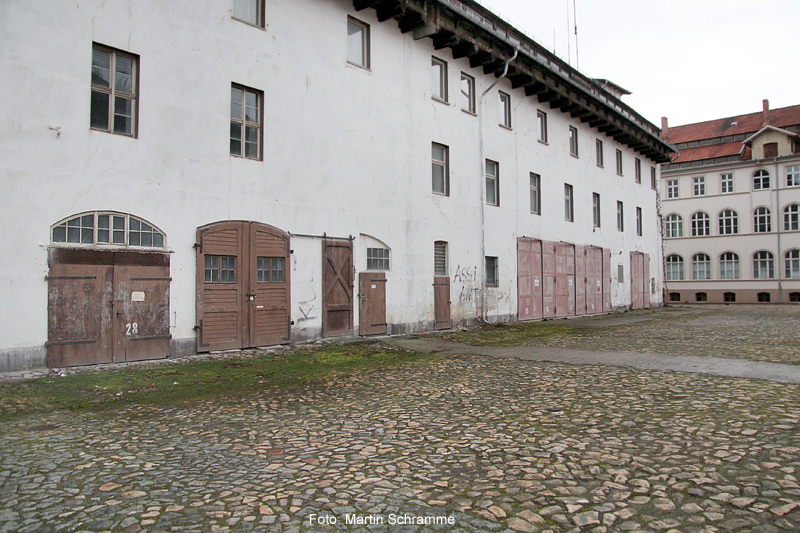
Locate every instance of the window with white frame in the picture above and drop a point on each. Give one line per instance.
(439, 79)
(536, 198)
(726, 182)
(674, 225)
(762, 220)
(115, 80)
(541, 118)
(440, 258)
(569, 211)
(701, 266)
(639, 221)
(793, 176)
(672, 189)
(249, 11)
(620, 217)
(637, 169)
(573, 141)
(440, 171)
(377, 259)
(598, 148)
(246, 122)
(492, 279)
(729, 266)
(595, 210)
(674, 267)
(792, 264)
(492, 183)
(728, 222)
(619, 162)
(107, 228)
(505, 109)
(699, 185)
(701, 224)
(760, 180)
(763, 266)
(467, 93)
(358, 43)
(791, 217)
(653, 180)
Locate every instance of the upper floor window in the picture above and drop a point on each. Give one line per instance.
(762, 220)
(674, 267)
(701, 224)
(505, 109)
(573, 141)
(726, 183)
(760, 180)
(595, 210)
(639, 221)
(674, 225)
(569, 211)
(699, 186)
(637, 170)
(107, 228)
(541, 118)
(672, 189)
(793, 176)
(246, 122)
(728, 222)
(771, 150)
(115, 80)
(729, 266)
(791, 217)
(357, 43)
(467, 93)
(653, 180)
(701, 266)
(249, 11)
(440, 172)
(492, 183)
(763, 266)
(598, 148)
(619, 162)
(536, 198)
(439, 79)
(792, 263)
(620, 217)
(377, 259)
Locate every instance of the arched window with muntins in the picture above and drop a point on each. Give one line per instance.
(107, 228)
(701, 224)
(674, 225)
(728, 222)
(760, 180)
(792, 263)
(763, 265)
(762, 220)
(791, 217)
(674, 267)
(729, 266)
(701, 266)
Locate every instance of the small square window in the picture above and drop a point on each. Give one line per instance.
(440, 258)
(377, 259)
(271, 270)
(357, 43)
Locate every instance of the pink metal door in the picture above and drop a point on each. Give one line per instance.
(580, 280)
(606, 280)
(529, 279)
(548, 279)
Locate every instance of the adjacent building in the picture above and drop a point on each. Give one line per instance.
(219, 174)
(731, 209)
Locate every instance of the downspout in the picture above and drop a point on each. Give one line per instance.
(779, 259)
(483, 181)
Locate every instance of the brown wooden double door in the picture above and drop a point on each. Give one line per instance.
(243, 286)
(106, 307)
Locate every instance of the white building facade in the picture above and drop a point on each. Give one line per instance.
(191, 176)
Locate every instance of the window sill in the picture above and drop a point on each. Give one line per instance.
(468, 112)
(437, 99)
(544, 142)
(356, 65)
(576, 156)
(509, 128)
(256, 26)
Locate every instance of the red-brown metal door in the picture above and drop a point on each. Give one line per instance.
(372, 303)
(268, 292)
(548, 279)
(337, 288)
(441, 303)
(606, 280)
(565, 279)
(594, 280)
(580, 280)
(79, 315)
(529, 279)
(141, 312)
(647, 287)
(637, 282)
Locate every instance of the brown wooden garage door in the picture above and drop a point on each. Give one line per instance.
(243, 286)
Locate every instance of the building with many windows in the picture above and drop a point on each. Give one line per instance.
(221, 174)
(731, 208)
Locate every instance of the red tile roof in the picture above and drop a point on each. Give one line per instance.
(707, 152)
(750, 123)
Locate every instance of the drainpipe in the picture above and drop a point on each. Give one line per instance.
(779, 259)
(483, 180)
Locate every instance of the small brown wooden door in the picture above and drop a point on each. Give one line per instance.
(141, 312)
(337, 288)
(372, 303)
(441, 303)
(529, 279)
(243, 286)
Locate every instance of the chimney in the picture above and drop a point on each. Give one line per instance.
(664, 128)
(765, 112)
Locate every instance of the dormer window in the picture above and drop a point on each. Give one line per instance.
(770, 150)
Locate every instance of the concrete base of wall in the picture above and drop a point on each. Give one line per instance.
(717, 296)
(21, 359)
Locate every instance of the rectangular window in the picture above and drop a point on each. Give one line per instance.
(619, 162)
(793, 176)
(637, 170)
(377, 259)
(220, 269)
(505, 109)
(491, 272)
(573, 141)
(246, 122)
(653, 180)
(620, 217)
(492, 183)
(541, 117)
(249, 11)
(569, 212)
(599, 152)
(115, 81)
(595, 210)
(536, 199)
(726, 182)
(672, 188)
(357, 43)
(639, 221)
(467, 93)
(440, 258)
(699, 186)
(439, 79)
(440, 172)
(270, 270)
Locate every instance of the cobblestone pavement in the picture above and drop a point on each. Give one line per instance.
(466, 443)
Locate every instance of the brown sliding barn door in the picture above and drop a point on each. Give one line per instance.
(372, 306)
(337, 288)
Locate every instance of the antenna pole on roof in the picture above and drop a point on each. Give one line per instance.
(575, 19)
(569, 51)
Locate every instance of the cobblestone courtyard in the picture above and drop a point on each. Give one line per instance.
(466, 443)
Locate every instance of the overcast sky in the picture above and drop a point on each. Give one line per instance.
(688, 60)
